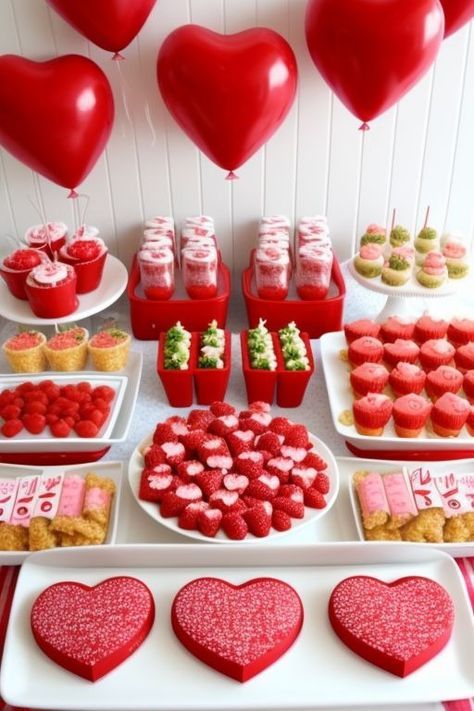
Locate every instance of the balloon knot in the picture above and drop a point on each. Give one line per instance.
(364, 127)
(117, 57)
(231, 176)
(73, 194)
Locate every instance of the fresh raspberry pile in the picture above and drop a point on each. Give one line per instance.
(77, 408)
(237, 472)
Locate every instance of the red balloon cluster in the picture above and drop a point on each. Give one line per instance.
(229, 93)
(456, 14)
(55, 116)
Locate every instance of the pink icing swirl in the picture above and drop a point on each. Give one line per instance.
(434, 263)
(374, 229)
(371, 251)
(454, 249)
(50, 273)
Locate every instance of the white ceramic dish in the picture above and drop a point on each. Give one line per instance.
(112, 285)
(318, 670)
(131, 375)
(113, 470)
(25, 438)
(311, 515)
(336, 374)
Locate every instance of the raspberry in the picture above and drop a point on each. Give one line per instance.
(292, 492)
(280, 467)
(172, 505)
(280, 425)
(297, 436)
(264, 488)
(34, 423)
(10, 412)
(209, 481)
(36, 408)
(164, 433)
(221, 408)
(154, 455)
(97, 417)
(259, 521)
(209, 522)
(314, 499)
(236, 482)
(250, 502)
(269, 442)
(234, 526)
(86, 428)
(313, 459)
(103, 391)
(240, 441)
(200, 419)
(188, 518)
(223, 499)
(60, 428)
(281, 521)
(98, 402)
(259, 406)
(189, 469)
(154, 483)
(10, 428)
(303, 476)
(224, 425)
(295, 509)
(70, 420)
(321, 483)
(250, 464)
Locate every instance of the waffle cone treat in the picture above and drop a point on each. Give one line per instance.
(109, 349)
(25, 352)
(67, 350)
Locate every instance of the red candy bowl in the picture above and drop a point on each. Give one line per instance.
(87, 257)
(15, 268)
(51, 290)
(211, 383)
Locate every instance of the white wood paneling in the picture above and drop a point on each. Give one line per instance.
(419, 153)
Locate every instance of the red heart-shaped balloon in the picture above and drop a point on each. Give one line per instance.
(237, 629)
(370, 52)
(398, 626)
(110, 24)
(229, 93)
(90, 631)
(456, 14)
(55, 116)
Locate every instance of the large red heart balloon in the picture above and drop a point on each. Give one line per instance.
(55, 116)
(110, 24)
(371, 52)
(456, 14)
(229, 93)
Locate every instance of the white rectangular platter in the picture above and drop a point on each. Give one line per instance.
(318, 671)
(112, 470)
(336, 374)
(115, 431)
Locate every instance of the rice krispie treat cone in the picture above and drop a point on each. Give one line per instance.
(25, 352)
(67, 350)
(109, 349)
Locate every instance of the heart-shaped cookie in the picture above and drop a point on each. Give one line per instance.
(397, 626)
(237, 629)
(91, 630)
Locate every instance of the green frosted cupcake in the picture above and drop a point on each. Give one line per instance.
(397, 271)
(374, 234)
(369, 262)
(399, 236)
(434, 272)
(427, 240)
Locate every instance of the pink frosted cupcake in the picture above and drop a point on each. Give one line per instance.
(401, 351)
(51, 290)
(374, 234)
(443, 380)
(428, 327)
(362, 327)
(397, 327)
(461, 331)
(410, 414)
(454, 250)
(371, 414)
(436, 352)
(449, 415)
(15, 268)
(407, 378)
(468, 385)
(464, 357)
(434, 271)
(48, 238)
(365, 350)
(369, 262)
(87, 257)
(368, 378)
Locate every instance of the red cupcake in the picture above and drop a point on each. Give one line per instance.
(427, 328)
(449, 415)
(51, 290)
(407, 378)
(362, 327)
(368, 378)
(444, 379)
(470, 423)
(16, 266)
(371, 414)
(468, 386)
(464, 357)
(87, 256)
(461, 331)
(365, 350)
(435, 353)
(396, 327)
(410, 413)
(400, 351)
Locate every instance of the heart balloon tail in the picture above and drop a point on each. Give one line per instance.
(117, 57)
(72, 194)
(364, 126)
(231, 176)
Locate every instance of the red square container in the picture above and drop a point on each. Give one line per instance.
(260, 384)
(312, 317)
(291, 384)
(149, 318)
(178, 384)
(211, 383)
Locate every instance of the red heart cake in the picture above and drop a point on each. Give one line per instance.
(91, 630)
(398, 626)
(237, 629)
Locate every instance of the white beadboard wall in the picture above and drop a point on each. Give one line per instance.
(421, 152)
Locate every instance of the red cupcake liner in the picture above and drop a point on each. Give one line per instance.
(368, 383)
(402, 385)
(210, 384)
(464, 357)
(427, 329)
(391, 330)
(430, 359)
(55, 301)
(459, 335)
(369, 417)
(446, 417)
(362, 327)
(411, 419)
(437, 383)
(468, 385)
(359, 353)
(394, 355)
(89, 274)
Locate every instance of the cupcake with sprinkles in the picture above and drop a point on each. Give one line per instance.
(372, 413)
(67, 350)
(25, 352)
(407, 378)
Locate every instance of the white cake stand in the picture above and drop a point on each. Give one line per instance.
(400, 298)
(113, 284)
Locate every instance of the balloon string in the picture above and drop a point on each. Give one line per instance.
(123, 88)
(364, 127)
(150, 122)
(86, 205)
(231, 176)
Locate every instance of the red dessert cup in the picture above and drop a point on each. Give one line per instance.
(177, 384)
(260, 384)
(211, 383)
(15, 278)
(291, 384)
(88, 271)
(53, 300)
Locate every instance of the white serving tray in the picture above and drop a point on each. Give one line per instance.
(123, 412)
(113, 470)
(311, 515)
(318, 671)
(336, 374)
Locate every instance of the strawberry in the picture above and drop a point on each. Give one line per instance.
(264, 488)
(209, 522)
(223, 425)
(188, 469)
(250, 501)
(188, 492)
(154, 483)
(221, 408)
(259, 520)
(60, 428)
(236, 482)
(154, 455)
(199, 419)
(99, 404)
(6, 396)
(303, 476)
(240, 441)
(192, 440)
(172, 505)
(70, 420)
(164, 433)
(321, 483)
(174, 452)
(257, 422)
(97, 417)
(209, 481)
(295, 509)
(12, 427)
(280, 425)
(259, 406)
(188, 518)
(234, 526)
(292, 491)
(33, 407)
(102, 391)
(280, 467)
(313, 459)
(297, 436)
(223, 499)
(86, 428)
(10, 412)
(297, 454)
(314, 499)
(269, 442)
(178, 424)
(281, 521)
(250, 464)
(34, 423)
(220, 460)
(51, 418)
